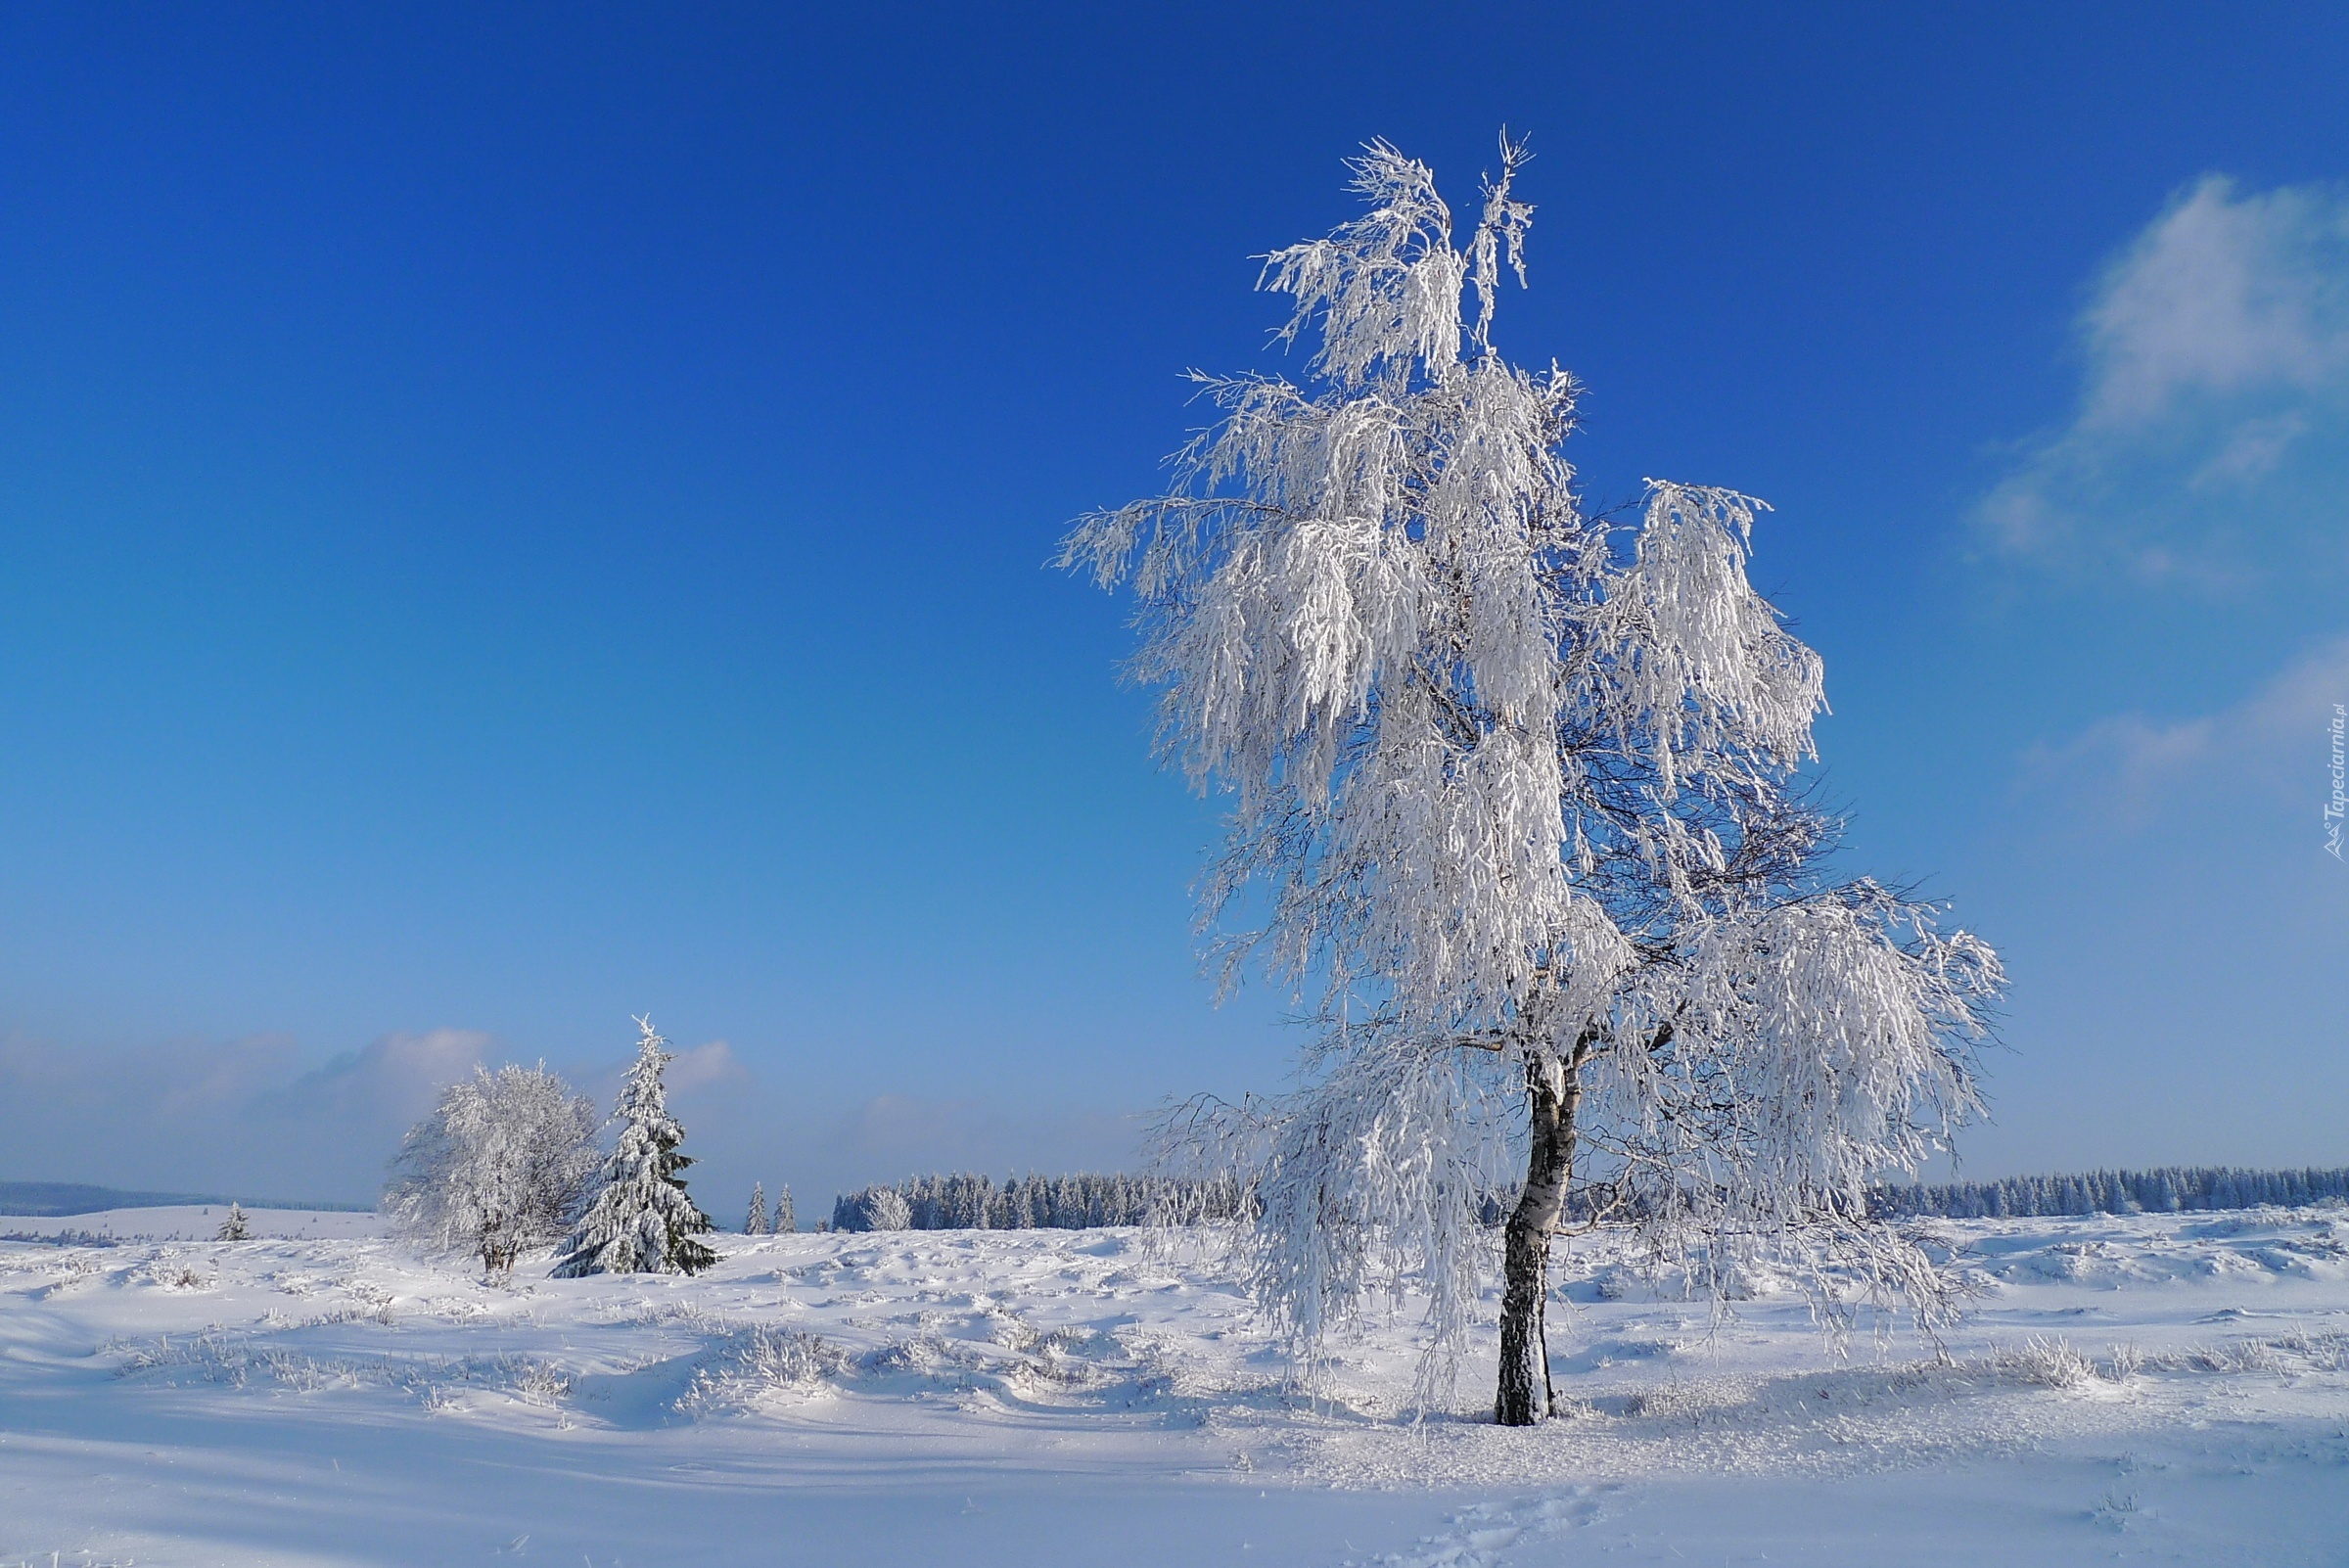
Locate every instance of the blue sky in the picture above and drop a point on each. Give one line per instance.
(510, 522)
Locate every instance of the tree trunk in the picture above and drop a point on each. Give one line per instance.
(1525, 1396)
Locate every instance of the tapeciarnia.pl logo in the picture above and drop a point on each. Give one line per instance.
(2334, 806)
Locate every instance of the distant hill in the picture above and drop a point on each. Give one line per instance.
(76, 1198)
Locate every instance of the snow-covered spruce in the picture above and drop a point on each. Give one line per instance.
(499, 1167)
(235, 1227)
(754, 1222)
(641, 1219)
(785, 1222)
(1515, 794)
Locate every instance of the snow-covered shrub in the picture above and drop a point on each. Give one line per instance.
(2234, 1356)
(2044, 1363)
(787, 1357)
(538, 1382)
(2323, 1352)
(497, 1168)
(761, 1360)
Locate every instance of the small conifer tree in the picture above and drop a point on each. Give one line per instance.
(234, 1228)
(641, 1222)
(754, 1223)
(785, 1222)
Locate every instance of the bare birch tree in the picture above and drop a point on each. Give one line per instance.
(1517, 808)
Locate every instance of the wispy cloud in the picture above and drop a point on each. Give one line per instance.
(393, 1079)
(238, 1116)
(2128, 772)
(706, 1066)
(2212, 431)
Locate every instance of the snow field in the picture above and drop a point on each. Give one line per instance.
(194, 1223)
(2150, 1388)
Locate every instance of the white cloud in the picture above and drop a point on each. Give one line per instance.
(703, 1067)
(2126, 772)
(2212, 431)
(2223, 293)
(2124, 769)
(240, 1116)
(396, 1077)
(692, 1071)
(2254, 449)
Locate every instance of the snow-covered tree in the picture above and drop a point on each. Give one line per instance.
(889, 1210)
(876, 1208)
(235, 1227)
(641, 1219)
(785, 1223)
(498, 1166)
(754, 1222)
(1516, 803)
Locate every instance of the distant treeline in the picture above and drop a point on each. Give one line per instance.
(964, 1202)
(61, 1238)
(2166, 1190)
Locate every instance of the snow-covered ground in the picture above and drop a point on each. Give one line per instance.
(196, 1222)
(2168, 1388)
